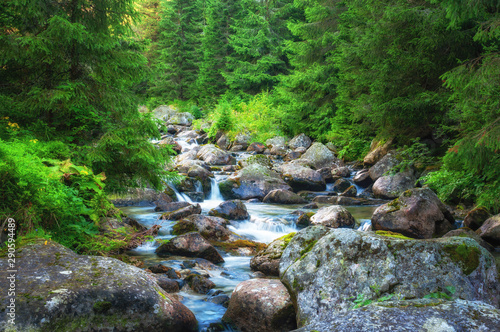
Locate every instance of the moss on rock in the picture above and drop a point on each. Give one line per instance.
(466, 256)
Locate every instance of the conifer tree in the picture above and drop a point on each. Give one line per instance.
(178, 51)
(67, 72)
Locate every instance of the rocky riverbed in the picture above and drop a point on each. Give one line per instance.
(276, 236)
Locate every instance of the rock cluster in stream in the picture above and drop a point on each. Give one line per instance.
(326, 277)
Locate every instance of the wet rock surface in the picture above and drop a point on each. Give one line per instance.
(267, 260)
(63, 291)
(281, 196)
(416, 213)
(232, 210)
(190, 245)
(261, 305)
(330, 271)
(334, 216)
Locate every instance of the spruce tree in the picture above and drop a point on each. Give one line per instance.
(178, 51)
(67, 72)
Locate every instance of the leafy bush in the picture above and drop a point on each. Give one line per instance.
(223, 118)
(42, 193)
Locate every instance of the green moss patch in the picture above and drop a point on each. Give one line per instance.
(101, 307)
(309, 245)
(393, 234)
(466, 256)
(183, 227)
(286, 239)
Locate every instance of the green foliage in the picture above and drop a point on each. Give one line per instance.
(49, 196)
(442, 295)
(416, 155)
(224, 118)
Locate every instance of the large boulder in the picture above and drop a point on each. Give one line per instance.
(302, 178)
(188, 155)
(257, 159)
(58, 290)
(253, 181)
(383, 166)
(172, 206)
(242, 140)
(233, 210)
(262, 305)
(467, 232)
(182, 212)
(342, 172)
(300, 141)
(490, 230)
(256, 147)
(190, 245)
(391, 186)
(319, 156)
(281, 196)
(211, 228)
(334, 216)
(181, 119)
(378, 150)
(267, 260)
(186, 164)
(340, 185)
(329, 272)
(212, 155)
(276, 141)
(223, 142)
(415, 315)
(164, 112)
(362, 178)
(416, 213)
(476, 218)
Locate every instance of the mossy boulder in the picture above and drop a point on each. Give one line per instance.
(211, 228)
(191, 244)
(253, 181)
(391, 186)
(281, 196)
(383, 166)
(300, 141)
(182, 212)
(302, 178)
(330, 271)
(378, 149)
(262, 305)
(181, 119)
(490, 230)
(476, 218)
(58, 290)
(319, 156)
(256, 159)
(416, 213)
(212, 155)
(267, 260)
(412, 315)
(232, 210)
(334, 216)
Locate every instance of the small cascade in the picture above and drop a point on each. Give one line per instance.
(215, 194)
(198, 187)
(365, 226)
(263, 229)
(181, 197)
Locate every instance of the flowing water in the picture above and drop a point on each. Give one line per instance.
(267, 222)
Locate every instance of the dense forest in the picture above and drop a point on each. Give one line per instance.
(424, 74)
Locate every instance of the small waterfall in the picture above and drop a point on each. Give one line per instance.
(181, 197)
(263, 229)
(198, 187)
(365, 226)
(215, 194)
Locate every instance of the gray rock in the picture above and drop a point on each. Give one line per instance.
(343, 172)
(328, 272)
(341, 185)
(232, 210)
(281, 196)
(416, 315)
(476, 218)
(279, 151)
(302, 178)
(257, 159)
(172, 206)
(167, 284)
(276, 141)
(416, 213)
(319, 156)
(58, 290)
(467, 232)
(223, 142)
(211, 228)
(362, 178)
(182, 212)
(391, 186)
(333, 216)
(383, 166)
(378, 150)
(267, 260)
(257, 147)
(212, 155)
(490, 230)
(164, 112)
(262, 305)
(253, 181)
(181, 119)
(200, 284)
(190, 245)
(300, 141)
(350, 192)
(243, 140)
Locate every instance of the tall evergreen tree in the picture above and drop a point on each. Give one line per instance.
(67, 69)
(178, 51)
(307, 94)
(257, 58)
(220, 17)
